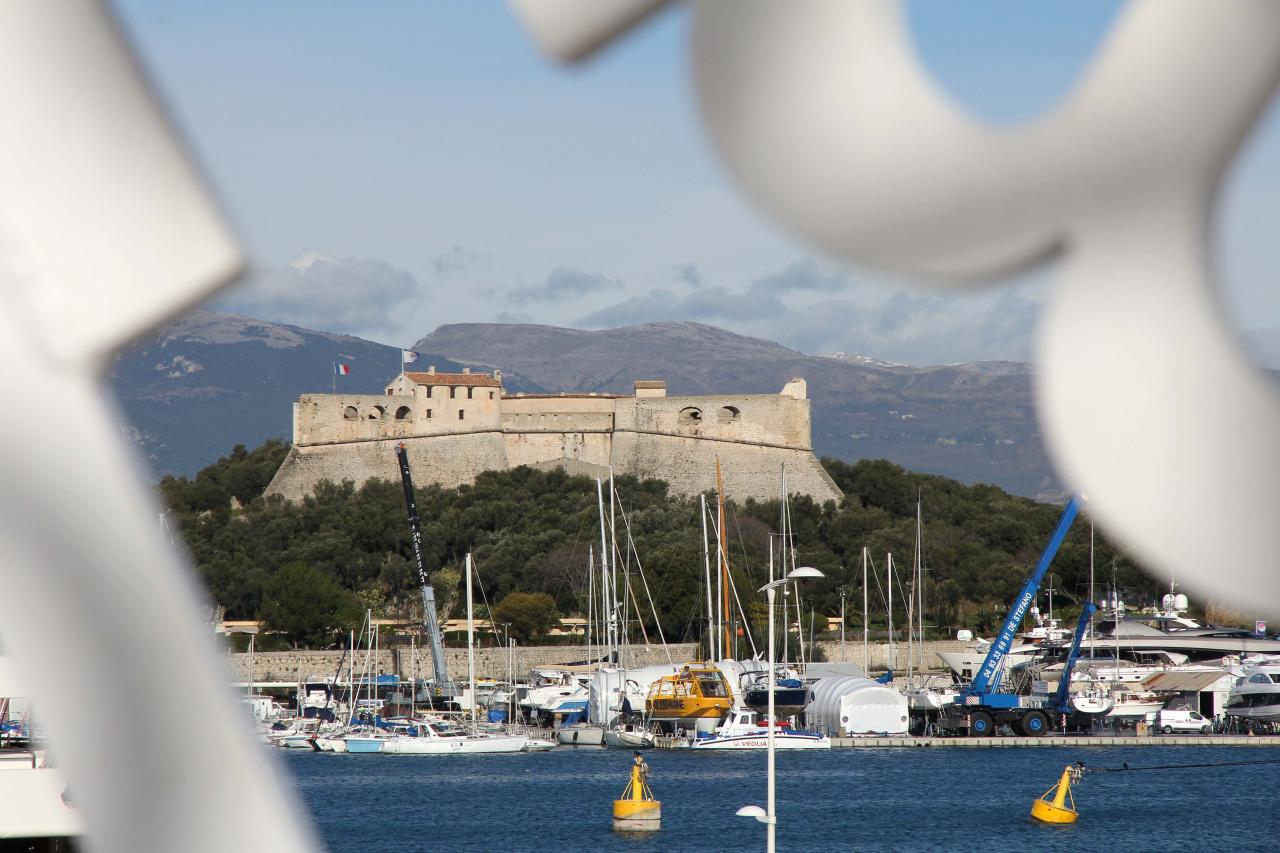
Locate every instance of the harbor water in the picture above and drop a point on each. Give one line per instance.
(838, 800)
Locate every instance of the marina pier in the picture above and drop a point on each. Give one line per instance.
(908, 742)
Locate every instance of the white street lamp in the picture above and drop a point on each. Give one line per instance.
(770, 817)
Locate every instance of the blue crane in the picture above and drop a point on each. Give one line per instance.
(980, 703)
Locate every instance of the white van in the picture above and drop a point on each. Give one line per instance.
(1170, 720)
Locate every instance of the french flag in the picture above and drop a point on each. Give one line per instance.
(341, 369)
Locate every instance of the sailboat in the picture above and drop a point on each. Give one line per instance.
(438, 737)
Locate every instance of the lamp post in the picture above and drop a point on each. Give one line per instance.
(769, 816)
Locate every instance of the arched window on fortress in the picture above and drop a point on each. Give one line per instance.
(377, 413)
(428, 387)
(490, 395)
(461, 414)
(691, 415)
(470, 390)
(402, 413)
(453, 391)
(350, 413)
(729, 413)
(428, 414)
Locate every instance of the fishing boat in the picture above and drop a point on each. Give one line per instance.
(743, 730)
(697, 697)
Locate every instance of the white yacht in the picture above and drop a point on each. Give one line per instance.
(1256, 693)
(433, 737)
(743, 730)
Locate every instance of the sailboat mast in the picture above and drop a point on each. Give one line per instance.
(866, 629)
(920, 579)
(706, 561)
(606, 626)
(471, 645)
(614, 658)
(889, 656)
(591, 599)
(724, 565)
(1091, 592)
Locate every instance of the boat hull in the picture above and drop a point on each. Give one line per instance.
(786, 700)
(580, 736)
(617, 739)
(331, 744)
(454, 746)
(788, 741)
(364, 745)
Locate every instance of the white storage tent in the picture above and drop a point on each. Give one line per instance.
(852, 705)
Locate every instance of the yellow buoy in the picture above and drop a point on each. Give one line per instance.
(637, 810)
(1057, 810)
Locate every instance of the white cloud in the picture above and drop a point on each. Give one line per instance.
(565, 283)
(318, 291)
(815, 309)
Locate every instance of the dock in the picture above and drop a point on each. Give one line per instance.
(909, 742)
(1053, 740)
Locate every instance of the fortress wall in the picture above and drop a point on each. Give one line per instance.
(324, 418)
(676, 439)
(757, 418)
(558, 422)
(688, 464)
(448, 460)
(600, 404)
(585, 453)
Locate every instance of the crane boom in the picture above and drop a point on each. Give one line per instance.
(991, 672)
(430, 620)
(1062, 698)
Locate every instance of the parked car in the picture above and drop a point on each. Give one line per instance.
(1170, 720)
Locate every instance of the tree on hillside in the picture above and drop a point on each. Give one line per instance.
(307, 606)
(530, 614)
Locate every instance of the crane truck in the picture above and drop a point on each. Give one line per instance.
(442, 688)
(981, 707)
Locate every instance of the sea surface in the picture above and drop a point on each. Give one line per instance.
(844, 799)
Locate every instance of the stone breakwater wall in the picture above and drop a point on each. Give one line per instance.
(490, 662)
(878, 653)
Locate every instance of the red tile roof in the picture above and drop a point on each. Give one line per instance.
(476, 379)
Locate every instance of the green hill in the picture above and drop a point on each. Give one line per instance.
(530, 531)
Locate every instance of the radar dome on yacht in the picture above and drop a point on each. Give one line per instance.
(964, 635)
(1180, 602)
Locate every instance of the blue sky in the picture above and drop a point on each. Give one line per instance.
(437, 170)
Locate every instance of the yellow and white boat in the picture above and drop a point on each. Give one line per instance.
(697, 697)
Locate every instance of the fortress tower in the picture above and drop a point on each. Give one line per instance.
(456, 425)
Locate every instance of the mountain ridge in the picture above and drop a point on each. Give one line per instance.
(210, 380)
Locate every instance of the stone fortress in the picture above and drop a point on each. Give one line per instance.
(456, 425)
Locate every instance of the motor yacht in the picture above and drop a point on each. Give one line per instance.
(1256, 693)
